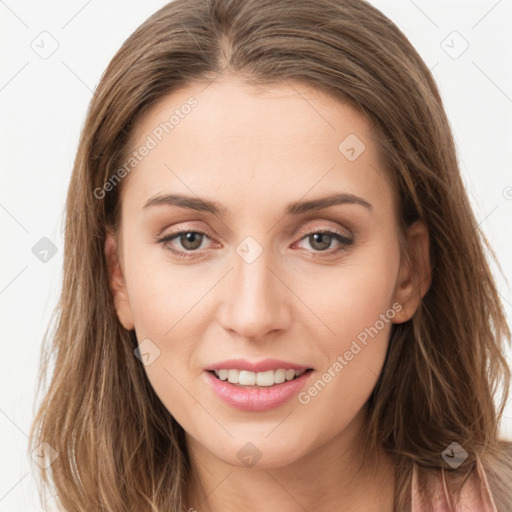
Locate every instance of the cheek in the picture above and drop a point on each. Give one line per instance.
(162, 300)
(355, 304)
(165, 300)
(161, 293)
(352, 296)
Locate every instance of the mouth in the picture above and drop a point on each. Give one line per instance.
(257, 391)
(267, 379)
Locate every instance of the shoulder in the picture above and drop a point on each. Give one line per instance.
(440, 490)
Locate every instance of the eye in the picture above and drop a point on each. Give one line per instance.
(321, 241)
(189, 240)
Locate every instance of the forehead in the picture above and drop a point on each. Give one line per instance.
(247, 145)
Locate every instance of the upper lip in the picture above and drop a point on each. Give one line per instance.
(259, 366)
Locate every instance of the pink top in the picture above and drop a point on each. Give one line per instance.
(475, 494)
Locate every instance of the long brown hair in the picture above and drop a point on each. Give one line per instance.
(118, 447)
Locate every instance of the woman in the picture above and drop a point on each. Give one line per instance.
(276, 294)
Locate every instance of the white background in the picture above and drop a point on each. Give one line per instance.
(43, 104)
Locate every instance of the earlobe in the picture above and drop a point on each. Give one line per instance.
(117, 282)
(415, 274)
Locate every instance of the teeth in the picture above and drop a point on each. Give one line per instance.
(280, 376)
(268, 378)
(262, 378)
(233, 376)
(246, 378)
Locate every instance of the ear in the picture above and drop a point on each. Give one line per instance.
(415, 273)
(117, 283)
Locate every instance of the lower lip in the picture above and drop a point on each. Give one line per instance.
(256, 399)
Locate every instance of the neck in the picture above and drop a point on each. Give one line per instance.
(334, 476)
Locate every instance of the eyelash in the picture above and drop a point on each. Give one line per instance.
(346, 242)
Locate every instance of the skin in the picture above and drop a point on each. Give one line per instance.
(255, 151)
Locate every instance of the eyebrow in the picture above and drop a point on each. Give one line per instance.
(295, 208)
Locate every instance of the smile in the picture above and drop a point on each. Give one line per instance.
(258, 379)
(254, 397)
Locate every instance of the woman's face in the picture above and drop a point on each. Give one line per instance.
(262, 283)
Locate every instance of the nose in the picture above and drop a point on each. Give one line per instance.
(257, 300)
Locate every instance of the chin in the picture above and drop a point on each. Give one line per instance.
(263, 452)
